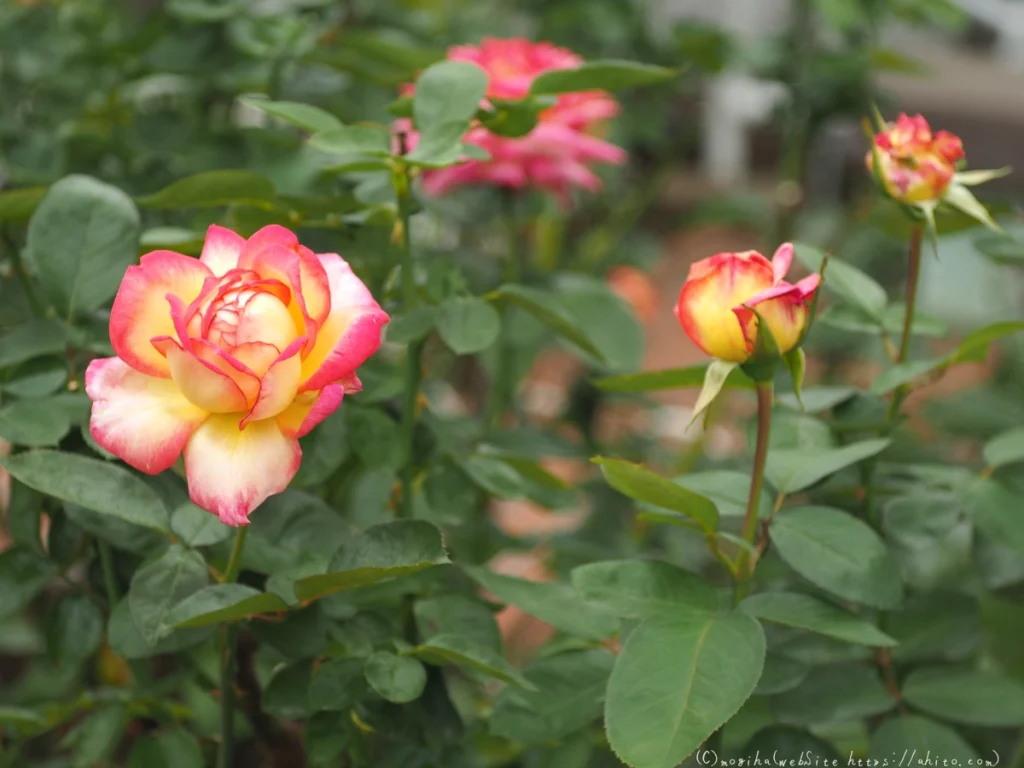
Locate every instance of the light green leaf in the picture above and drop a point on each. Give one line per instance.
(605, 75)
(550, 601)
(973, 178)
(545, 307)
(818, 399)
(974, 347)
(718, 372)
(448, 91)
(642, 588)
(846, 281)
(792, 470)
(996, 510)
(495, 476)
(966, 696)
(727, 489)
(1005, 448)
(806, 612)
(467, 325)
(411, 326)
(213, 189)
(569, 695)
(960, 197)
(780, 674)
(796, 363)
(440, 146)
(94, 484)
(81, 239)
(914, 733)
(639, 483)
(678, 678)
(903, 373)
(352, 140)
(380, 552)
(399, 679)
(223, 602)
(673, 378)
(839, 553)
(303, 115)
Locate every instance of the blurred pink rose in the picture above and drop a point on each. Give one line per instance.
(557, 154)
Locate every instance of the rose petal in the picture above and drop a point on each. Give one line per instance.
(279, 385)
(351, 332)
(143, 420)
(781, 261)
(140, 311)
(221, 249)
(232, 471)
(203, 382)
(309, 409)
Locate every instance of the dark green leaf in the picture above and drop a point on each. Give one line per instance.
(222, 602)
(642, 588)
(468, 653)
(20, 204)
(996, 510)
(290, 694)
(780, 674)
(792, 470)
(845, 281)
(380, 552)
(914, 733)
(74, 629)
(1005, 448)
(32, 339)
(674, 378)
(467, 325)
(966, 696)
(495, 476)
(678, 678)
(809, 613)
(212, 189)
(91, 483)
(834, 694)
(94, 739)
(33, 423)
(375, 437)
(127, 641)
(606, 75)
(198, 528)
(411, 326)
(839, 553)
(169, 749)
(399, 679)
(81, 239)
(569, 695)
(23, 575)
(457, 615)
(544, 307)
(162, 583)
(785, 740)
(551, 602)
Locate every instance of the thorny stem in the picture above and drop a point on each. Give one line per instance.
(745, 564)
(414, 353)
(227, 664)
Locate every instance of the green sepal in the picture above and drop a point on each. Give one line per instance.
(959, 196)
(714, 380)
(764, 363)
(796, 363)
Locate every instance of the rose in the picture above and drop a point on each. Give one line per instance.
(229, 359)
(915, 166)
(557, 154)
(715, 302)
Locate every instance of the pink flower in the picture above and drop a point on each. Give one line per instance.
(230, 358)
(916, 165)
(557, 154)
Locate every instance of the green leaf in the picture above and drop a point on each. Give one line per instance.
(398, 679)
(785, 740)
(162, 583)
(497, 477)
(552, 602)
(678, 678)
(212, 189)
(468, 653)
(74, 629)
(903, 373)
(375, 437)
(290, 692)
(32, 339)
(36, 378)
(846, 281)
(796, 363)
(605, 318)
(961, 197)
(127, 641)
(23, 575)
(794, 469)
(1005, 448)
(380, 552)
(467, 325)
(780, 674)
(806, 612)
(337, 685)
(94, 739)
(642, 588)
(639, 483)
(966, 696)
(81, 239)
(914, 733)
(452, 614)
(20, 204)
(727, 489)
(717, 373)
(446, 92)
(303, 115)
(673, 378)
(974, 348)
(198, 528)
(411, 326)
(439, 146)
(834, 694)
(569, 696)
(839, 553)
(605, 74)
(996, 510)
(352, 140)
(544, 307)
(223, 602)
(91, 483)
(33, 423)
(168, 749)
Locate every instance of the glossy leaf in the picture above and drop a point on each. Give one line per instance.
(809, 613)
(639, 483)
(642, 588)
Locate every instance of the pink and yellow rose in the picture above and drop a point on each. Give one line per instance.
(229, 359)
(917, 166)
(557, 155)
(715, 302)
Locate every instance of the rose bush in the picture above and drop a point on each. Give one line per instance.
(229, 359)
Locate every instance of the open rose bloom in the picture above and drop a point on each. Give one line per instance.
(557, 154)
(714, 303)
(229, 359)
